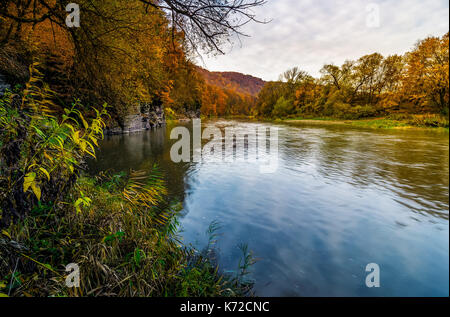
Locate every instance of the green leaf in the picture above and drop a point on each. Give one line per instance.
(78, 202)
(39, 132)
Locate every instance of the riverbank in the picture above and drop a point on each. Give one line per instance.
(119, 246)
(415, 122)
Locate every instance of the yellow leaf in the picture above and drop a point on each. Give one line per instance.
(29, 179)
(48, 157)
(4, 232)
(94, 140)
(3, 295)
(75, 137)
(60, 141)
(36, 190)
(84, 122)
(91, 154)
(43, 170)
(83, 146)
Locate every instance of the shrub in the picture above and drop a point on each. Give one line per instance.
(399, 116)
(283, 108)
(343, 110)
(366, 111)
(429, 120)
(40, 150)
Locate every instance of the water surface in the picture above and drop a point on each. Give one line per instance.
(340, 199)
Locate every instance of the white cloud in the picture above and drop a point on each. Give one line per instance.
(309, 33)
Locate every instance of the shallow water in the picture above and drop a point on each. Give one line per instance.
(340, 199)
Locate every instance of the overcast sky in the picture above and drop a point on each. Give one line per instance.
(309, 33)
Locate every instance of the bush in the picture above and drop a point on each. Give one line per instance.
(366, 111)
(399, 116)
(343, 110)
(125, 243)
(283, 108)
(429, 120)
(40, 150)
(332, 105)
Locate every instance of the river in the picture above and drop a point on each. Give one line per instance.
(339, 199)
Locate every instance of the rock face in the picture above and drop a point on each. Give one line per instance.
(191, 114)
(149, 118)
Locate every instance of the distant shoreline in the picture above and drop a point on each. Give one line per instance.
(373, 123)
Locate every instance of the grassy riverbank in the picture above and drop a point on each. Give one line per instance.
(123, 245)
(404, 121)
(392, 122)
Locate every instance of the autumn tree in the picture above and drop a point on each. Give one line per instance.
(306, 97)
(426, 80)
(268, 97)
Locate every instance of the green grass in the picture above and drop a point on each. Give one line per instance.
(313, 118)
(427, 121)
(380, 124)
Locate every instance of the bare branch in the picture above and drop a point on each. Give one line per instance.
(208, 23)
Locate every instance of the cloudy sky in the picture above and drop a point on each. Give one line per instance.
(309, 33)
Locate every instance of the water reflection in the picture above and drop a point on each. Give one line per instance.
(341, 198)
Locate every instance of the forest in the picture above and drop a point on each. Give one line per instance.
(396, 86)
(413, 87)
(122, 56)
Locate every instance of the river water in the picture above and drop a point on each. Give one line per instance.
(339, 199)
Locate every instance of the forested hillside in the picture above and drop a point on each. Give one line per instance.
(244, 84)
(228, 93)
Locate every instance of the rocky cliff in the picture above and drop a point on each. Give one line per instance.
(149, 118)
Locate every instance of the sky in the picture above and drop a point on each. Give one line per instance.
(311, 33)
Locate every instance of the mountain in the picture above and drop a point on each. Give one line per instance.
(245, 84)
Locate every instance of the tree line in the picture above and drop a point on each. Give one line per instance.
(414, 83)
